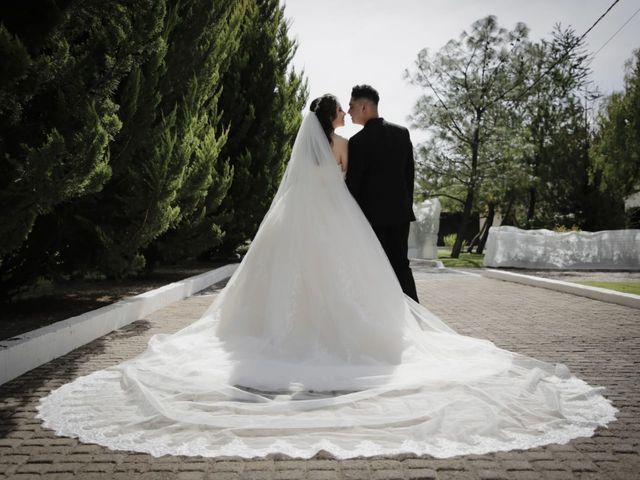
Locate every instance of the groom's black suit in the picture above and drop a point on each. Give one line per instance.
(380, 177)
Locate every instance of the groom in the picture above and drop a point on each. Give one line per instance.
(380, 177)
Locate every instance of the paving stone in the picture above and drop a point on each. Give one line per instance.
(602, 457)
(322, 465)
(419, 463)
(8, 443)
(583, 467)
(158, 476)
(557, 475)
(357, 464)
(522, 475)
(7, 470)
(570, 456)
(223, 476)
(10, 458)
(550, 465)
(133, 468)
(456, 475)
(95, 476)
(33, 468)
(420, 474)
(161, 467)
(483, 464)
(63, 467)
(516, 465)
(289, 474)
(98, 467)
(191, 475)
(256, 475)
(625, 448)
(356, 474)
(259, 465)
(388, 474)
(457, 463)
(625, 476)
(322, 475)
(291, 465)
(492, 474)
(533, 457)
(228, 466)
(194, 466)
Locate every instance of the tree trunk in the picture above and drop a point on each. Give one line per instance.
(507, 211)
(487, 225)
(471, 188)
(475, 240)
(532, 207)
(466, 215)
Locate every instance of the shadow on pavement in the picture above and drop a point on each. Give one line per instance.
(19, 397)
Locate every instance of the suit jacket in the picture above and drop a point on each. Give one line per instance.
(380, 172)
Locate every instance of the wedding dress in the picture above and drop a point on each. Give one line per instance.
(312, 345)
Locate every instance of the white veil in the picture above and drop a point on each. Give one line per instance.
(312, 345)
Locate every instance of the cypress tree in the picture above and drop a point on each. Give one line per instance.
(208, 175)
(62, 62)
(261, 101)
(113, 117)
(166, 156)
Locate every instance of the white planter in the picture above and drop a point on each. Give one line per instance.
(604, 250)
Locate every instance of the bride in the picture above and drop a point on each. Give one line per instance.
(312, 345)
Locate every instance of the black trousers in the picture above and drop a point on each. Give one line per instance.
(395, 242)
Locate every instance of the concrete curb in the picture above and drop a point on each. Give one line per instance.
(596, 293)
(25, 352)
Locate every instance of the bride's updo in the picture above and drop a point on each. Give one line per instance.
(325, 108)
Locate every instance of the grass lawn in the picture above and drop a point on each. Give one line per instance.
(625, 287)
(466, 260)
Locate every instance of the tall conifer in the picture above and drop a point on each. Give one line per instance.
(262, 102)
(62, 61)
(167, 155)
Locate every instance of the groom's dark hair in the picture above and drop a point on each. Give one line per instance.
(365, 91)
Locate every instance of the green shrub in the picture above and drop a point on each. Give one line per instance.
(449, 240)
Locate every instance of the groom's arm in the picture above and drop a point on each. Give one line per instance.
(355, 168)
(410, 169)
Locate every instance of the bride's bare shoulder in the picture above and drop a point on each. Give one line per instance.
(339, 139)
(340, 150)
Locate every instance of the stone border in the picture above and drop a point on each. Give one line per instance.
(596, 293)
(25, 352)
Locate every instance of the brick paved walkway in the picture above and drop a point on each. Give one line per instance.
(600, 342)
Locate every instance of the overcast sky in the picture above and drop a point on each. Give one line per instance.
(345, 42)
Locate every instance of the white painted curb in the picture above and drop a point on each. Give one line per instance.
(25, 352)
(602, 294)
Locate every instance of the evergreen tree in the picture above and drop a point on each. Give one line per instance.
(261, 102)
(557, 131)
(166, 159)
(208, 176)
(615, 172)
(62, 62)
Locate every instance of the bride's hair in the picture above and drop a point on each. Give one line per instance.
(325, 109)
